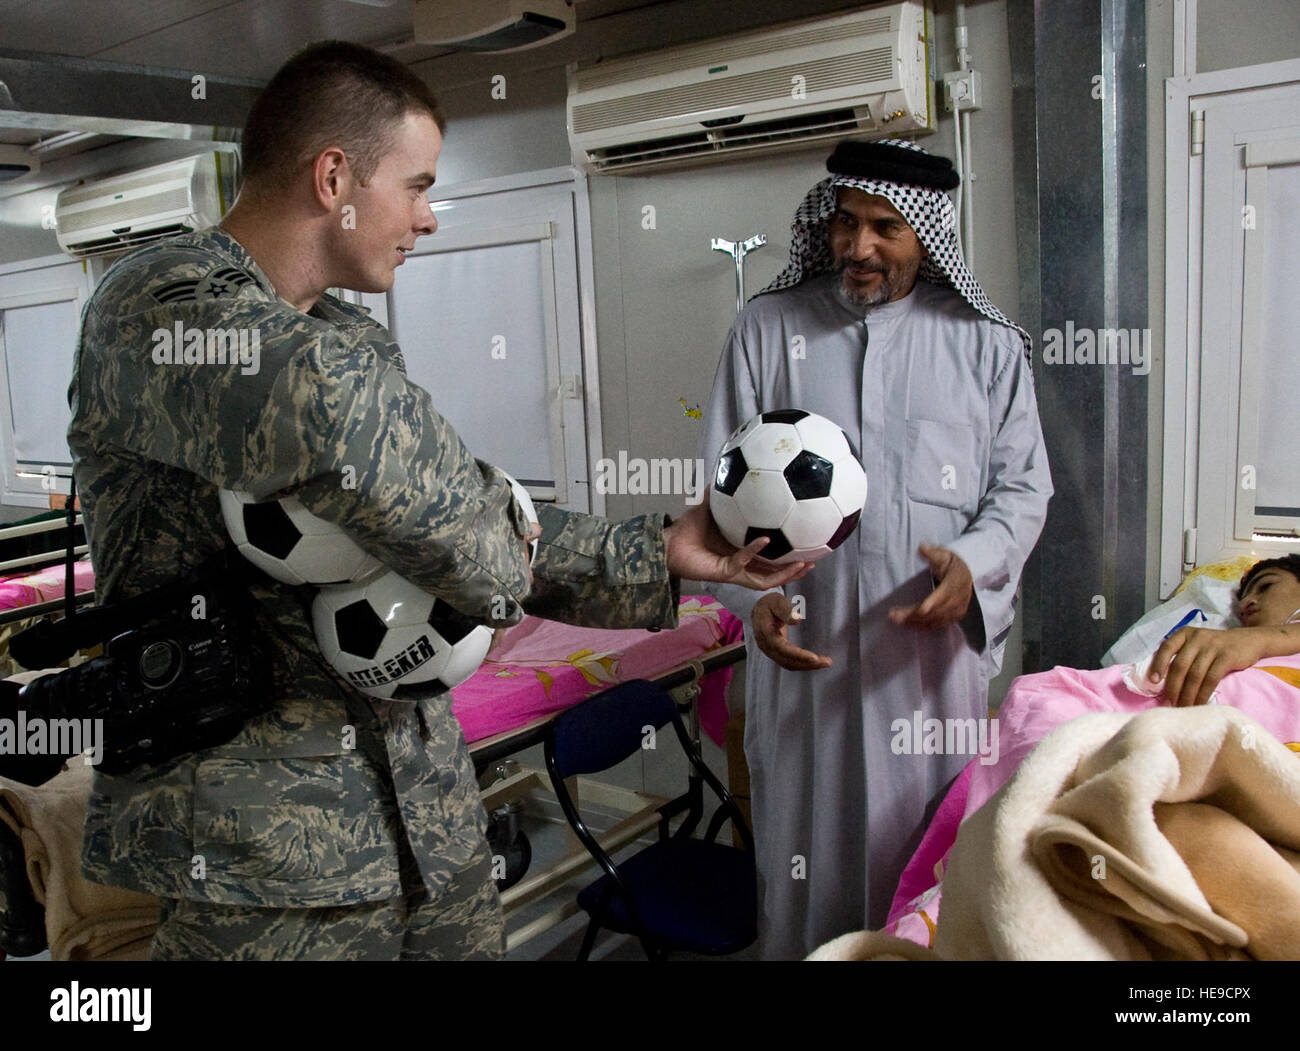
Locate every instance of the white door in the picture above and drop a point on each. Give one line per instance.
(488, 312)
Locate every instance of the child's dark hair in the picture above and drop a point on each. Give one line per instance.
(1291, 563)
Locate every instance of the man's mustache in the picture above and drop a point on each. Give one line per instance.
(862, 268)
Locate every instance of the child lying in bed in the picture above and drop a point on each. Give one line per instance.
(1192, 661)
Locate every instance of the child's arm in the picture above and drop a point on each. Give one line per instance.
(1193, 660)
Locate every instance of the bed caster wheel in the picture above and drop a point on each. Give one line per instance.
(511, 851)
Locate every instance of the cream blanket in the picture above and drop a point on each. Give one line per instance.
(1171, 834)
(83, 920)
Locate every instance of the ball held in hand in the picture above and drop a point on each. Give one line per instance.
(792, 476)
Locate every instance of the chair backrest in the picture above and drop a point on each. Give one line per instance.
(604, 730)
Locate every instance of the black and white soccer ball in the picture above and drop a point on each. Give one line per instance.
(790, 475)
(285, 540)
(391, 640)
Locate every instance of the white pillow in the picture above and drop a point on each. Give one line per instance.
(1206, 592)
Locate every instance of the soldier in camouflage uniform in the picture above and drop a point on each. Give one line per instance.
(287, 842)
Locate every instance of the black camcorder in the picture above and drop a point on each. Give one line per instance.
(170, 682)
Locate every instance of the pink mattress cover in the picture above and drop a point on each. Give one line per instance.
(43, 585)
(543, 667)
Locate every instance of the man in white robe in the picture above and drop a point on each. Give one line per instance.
(878, 326)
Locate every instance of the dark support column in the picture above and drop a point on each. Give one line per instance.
(1080, 171)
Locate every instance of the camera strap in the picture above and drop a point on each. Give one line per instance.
(70, 586)
(47, 644)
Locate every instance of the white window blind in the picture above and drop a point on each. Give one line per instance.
(39, 341)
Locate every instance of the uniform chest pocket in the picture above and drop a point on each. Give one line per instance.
(282, 819)
(942, 464)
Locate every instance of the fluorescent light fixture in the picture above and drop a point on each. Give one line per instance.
(55, 142)
(15, 162)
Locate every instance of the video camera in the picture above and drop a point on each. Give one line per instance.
(182, 671)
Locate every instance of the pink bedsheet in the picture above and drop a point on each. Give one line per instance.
(543, 667)
(1037, 704)
(43, 585)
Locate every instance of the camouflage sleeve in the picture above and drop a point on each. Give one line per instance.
(331, 418)
(602, 574)
(391, 471)
(328, 415)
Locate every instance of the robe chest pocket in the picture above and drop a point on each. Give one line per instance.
(941, 464)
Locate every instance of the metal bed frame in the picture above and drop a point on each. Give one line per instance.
(39, 609)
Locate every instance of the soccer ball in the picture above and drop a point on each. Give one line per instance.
(286, 541)
(792, 476)
(391, 640)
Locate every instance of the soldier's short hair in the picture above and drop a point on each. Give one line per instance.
(332, 93)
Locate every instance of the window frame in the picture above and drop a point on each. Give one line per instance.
(50, 280)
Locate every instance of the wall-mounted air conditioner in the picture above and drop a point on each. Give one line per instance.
(134, 208)
(862, 74)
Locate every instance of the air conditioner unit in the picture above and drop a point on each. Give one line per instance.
(492, 25)
(135, 208)
(862, 74)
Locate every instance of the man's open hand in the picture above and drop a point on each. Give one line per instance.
(772, 614)
(949, 601)
(697, 551)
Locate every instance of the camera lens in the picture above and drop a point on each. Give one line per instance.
(160, 664)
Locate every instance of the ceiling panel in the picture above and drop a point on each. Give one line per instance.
(252, 38)
(67, 27)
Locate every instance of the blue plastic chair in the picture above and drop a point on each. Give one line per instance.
(679, 893)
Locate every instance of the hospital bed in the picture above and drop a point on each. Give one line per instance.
(33, 578)
(543, 667)
(1268, 693)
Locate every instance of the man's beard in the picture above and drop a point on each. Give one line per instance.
(864, 300)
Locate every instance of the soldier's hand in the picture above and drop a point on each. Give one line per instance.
(950, 599)
(696, 550)
(772, 615)
(498, 634)
(534, 532)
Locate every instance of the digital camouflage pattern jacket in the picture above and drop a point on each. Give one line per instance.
(289, 814)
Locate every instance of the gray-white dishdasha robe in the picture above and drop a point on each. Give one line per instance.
(938, 403)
